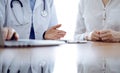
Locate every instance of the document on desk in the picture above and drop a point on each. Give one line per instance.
(74, 42)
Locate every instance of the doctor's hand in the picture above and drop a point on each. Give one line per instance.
(9, 34)
(53, 33)
(110, 36)
(93, 36)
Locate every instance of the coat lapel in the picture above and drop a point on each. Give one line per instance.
(38, 3)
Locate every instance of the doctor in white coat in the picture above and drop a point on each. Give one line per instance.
(31, 19)
(7, 31)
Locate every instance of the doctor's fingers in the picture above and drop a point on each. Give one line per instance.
(12, 35)
(55, 37)
(61, 32)
(58, 36)
(56, 26)
(5, 32)
(15, 36)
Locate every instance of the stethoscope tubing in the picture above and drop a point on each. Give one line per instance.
(11, 3)
(43, 12)
(44, 5)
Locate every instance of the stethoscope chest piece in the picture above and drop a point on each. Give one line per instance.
(44, 13)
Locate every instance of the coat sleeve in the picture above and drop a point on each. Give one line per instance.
(53, 16)
(80, 25)
(2, 12)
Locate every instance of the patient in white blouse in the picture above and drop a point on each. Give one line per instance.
(98, 20)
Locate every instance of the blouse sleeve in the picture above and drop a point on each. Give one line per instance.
(80, 26)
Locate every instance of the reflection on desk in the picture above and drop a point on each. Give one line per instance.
(91, 57)
(26, 60)
(98, 57)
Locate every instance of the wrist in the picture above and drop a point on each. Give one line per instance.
(88, 36)
(44, 35)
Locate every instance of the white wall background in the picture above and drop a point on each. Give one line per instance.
(67, 14)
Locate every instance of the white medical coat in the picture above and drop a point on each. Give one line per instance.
(20, 18)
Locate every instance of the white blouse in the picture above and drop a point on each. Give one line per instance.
(93, 15)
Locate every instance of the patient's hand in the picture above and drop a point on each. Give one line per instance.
(93, 36)
(110, 36)
(10, 34)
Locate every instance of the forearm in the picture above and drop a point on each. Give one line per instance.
(81, 37)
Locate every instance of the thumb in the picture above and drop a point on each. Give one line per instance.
(16, 36)
(56, 26)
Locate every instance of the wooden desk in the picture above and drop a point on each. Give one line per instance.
(98, 57)
(92, 57)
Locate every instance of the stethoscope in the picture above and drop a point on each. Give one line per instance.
(43, 12)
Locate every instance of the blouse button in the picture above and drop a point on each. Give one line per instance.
(104, 19)
(104, 9)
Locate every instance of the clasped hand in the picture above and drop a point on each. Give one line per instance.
(104, 35)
